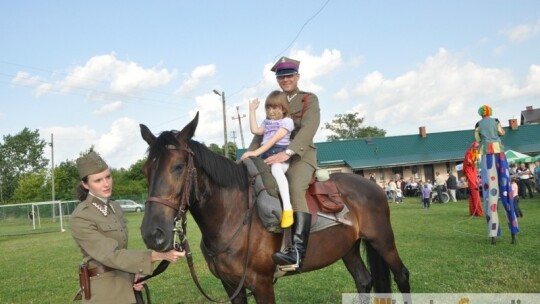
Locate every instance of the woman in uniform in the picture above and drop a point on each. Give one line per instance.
(100, 230)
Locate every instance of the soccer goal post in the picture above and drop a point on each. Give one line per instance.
(37, 217)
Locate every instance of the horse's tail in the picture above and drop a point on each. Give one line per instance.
(380, 272)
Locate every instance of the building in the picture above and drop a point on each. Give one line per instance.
(418, 155)
(530, 116)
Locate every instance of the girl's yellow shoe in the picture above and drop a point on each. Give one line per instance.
(286, 218)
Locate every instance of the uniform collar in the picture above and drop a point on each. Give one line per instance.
(292, 95)
(102, 204)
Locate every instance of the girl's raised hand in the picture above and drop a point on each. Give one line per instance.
(254, 104)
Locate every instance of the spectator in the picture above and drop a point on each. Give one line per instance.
(372, 177)
(462, 192)
(392, 190)
(515, 196)
(524, 174)
(537, 176)
(440, 184)
(451, 184)
(426, 195)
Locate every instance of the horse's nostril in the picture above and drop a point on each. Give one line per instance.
(159, 237)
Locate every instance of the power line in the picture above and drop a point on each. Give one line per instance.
(288, 46)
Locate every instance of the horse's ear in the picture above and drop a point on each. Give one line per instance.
(147, 135)
(189, 130)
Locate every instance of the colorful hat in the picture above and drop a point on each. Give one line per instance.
(485, 111)
(286, 66)
(91, 163)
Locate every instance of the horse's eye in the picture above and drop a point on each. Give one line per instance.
(178, 168)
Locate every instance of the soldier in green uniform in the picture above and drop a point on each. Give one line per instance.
(301, 152)
(100, 230)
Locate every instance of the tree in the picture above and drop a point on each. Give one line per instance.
(348, 126)
(19, 155)
(66, 178)
(30, 188)
(216, 149)
(130, 183)
(232, 147)
(232, 150)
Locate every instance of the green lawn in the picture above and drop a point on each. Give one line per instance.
(444, 249)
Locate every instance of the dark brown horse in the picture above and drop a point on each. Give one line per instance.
(236, 246)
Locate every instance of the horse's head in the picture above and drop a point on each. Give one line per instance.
(166, 171)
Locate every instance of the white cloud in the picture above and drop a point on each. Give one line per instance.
(342, 94)
(532, 81)
(25, 79)
(522, 32)
(442, 93)
(210, 128)
(122, 144)
(103, 76)
(69, 142)
(198, 75)
(109, 108)
(313, 66)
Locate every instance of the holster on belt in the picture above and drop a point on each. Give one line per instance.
(84, 280)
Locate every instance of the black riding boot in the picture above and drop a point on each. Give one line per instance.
(293, 257)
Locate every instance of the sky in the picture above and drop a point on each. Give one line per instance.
(89, 72)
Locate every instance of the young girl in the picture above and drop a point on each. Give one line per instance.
(426, 195)
(276, 130)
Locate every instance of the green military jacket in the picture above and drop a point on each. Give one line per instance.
(104, 240)
(306, 117)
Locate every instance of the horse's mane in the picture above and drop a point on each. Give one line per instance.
(221, 170)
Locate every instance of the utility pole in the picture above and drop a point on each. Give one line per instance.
(234, 136)
(225, 148)
(240, 123)
(52, 165)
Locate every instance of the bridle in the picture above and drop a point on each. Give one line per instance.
(180, 241)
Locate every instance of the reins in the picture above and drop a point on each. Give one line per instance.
(183, 244)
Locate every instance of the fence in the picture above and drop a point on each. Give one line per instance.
(38, 217)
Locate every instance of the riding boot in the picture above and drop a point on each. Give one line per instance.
(293, 257)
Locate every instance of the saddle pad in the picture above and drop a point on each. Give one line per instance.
(268, 205)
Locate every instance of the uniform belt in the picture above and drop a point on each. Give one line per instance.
(99, 270)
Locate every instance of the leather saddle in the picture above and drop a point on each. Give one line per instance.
(323, 196)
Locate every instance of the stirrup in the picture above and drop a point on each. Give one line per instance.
(291, 267)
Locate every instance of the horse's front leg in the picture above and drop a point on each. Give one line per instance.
(263, 291)
(240, 298)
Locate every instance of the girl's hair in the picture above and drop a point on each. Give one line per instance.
(82, 192)
(278, 98)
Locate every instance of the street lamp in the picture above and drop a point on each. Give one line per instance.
(225, 148)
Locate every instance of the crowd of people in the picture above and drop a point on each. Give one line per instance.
(465, 187)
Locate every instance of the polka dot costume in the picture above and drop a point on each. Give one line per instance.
(496, 184)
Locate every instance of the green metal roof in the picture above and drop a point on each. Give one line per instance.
(413, 149)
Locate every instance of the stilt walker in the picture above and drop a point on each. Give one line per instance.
(469, 169)
(496, 181)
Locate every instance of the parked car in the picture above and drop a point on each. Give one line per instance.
(129, 205)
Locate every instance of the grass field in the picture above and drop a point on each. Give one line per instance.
(445, 250)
